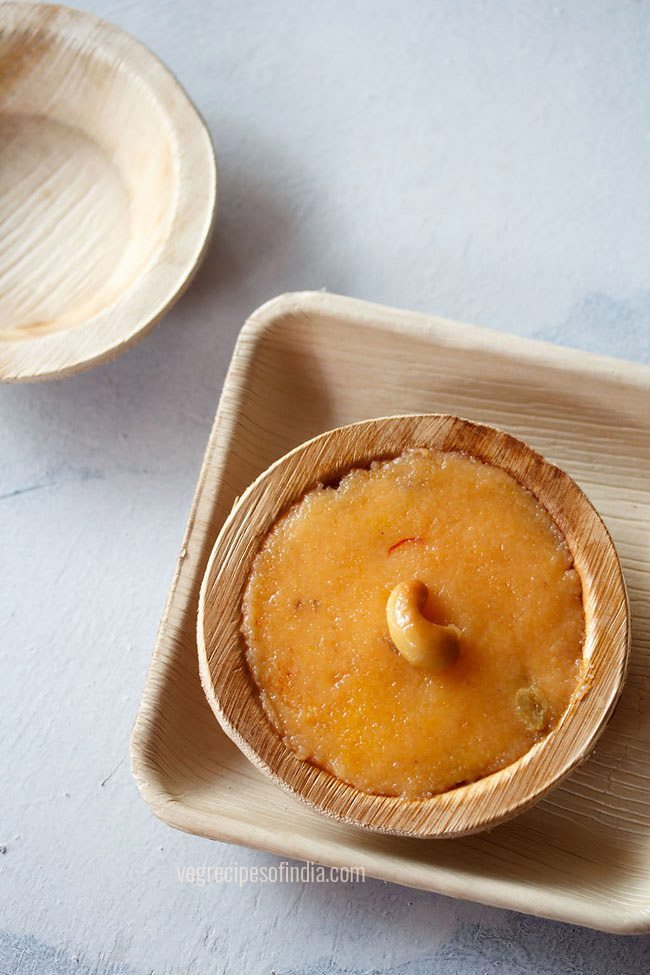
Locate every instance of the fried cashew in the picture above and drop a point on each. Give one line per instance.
(420, 641)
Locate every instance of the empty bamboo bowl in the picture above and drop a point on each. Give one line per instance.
(107, 190)
(466, 808)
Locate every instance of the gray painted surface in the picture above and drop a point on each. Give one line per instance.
(483, 161)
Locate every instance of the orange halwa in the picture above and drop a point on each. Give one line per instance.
(314, 621)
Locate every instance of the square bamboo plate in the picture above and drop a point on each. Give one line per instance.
(305, 363)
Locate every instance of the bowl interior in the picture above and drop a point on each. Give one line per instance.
(87, 175)
(467, 808)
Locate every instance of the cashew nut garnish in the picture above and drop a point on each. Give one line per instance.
(423, 643)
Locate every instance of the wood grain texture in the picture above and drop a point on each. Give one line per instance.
(582, 853)
(466, 809)
(107, 190)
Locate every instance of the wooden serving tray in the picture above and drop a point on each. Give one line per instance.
(305, 363)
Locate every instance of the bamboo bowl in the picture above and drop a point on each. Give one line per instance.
(467, 808)
(107, 190)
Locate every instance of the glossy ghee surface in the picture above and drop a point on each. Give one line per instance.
(314, 621)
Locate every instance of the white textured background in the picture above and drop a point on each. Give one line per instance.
(483, 161)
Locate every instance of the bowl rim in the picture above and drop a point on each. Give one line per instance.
(113, 329)
(466, 809)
